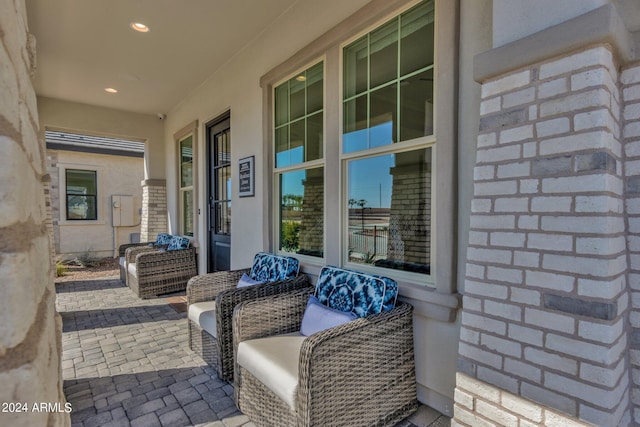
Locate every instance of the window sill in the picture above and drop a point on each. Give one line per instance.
(82, 222)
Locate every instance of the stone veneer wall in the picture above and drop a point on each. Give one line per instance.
(154, 209)
(544, 326)
(30, 327)
(631, 119)
(54, 194)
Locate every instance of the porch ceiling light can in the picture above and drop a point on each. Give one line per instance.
(139, 27)
(110, 90)
(301, 78)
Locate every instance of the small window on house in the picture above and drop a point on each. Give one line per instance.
(82, 193)
(298, 136)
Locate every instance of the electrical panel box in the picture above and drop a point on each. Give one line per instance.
(122, 211)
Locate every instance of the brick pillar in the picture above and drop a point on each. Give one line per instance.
(154, 209)
(631, 114)
(312, 219)
(30, 327)
(543, 338)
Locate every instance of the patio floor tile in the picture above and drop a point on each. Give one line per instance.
(127, 362)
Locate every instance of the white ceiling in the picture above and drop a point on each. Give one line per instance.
(84, 46)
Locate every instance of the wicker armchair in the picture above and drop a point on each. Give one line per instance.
(162, 241)
(217, 294)
(122, 260)
(152, 272)
(360, 373)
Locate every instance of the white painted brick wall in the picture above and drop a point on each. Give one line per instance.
(481, 404)
(554, 229)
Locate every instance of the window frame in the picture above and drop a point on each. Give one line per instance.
(423, 142)
(94, 196)
(439, 301)
(190, 130)
(277, 172)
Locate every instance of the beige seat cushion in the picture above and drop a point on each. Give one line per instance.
(274, 362)
(204, 315)
(131, 268)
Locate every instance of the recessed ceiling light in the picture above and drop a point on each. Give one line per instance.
(139, 27)
(110, 90)
(301, 78)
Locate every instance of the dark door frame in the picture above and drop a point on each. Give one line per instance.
(210, 190)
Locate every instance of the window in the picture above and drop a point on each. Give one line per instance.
(299, 165)
(362, 194)
(387, 134)
(186, 185)
(81, 193)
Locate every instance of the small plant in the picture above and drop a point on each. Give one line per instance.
(87, 260)
(290, 236)
(61, 269)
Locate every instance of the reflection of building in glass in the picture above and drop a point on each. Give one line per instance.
(390, 211)
(302, 211)
(409, 219)
(311, 238)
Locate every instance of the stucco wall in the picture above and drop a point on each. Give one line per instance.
(30, 328)
(116, 175)
(521, 18)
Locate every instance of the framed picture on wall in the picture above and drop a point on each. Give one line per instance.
(246, 178)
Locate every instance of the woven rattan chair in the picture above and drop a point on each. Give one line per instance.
(215, 295)
(122, 259)
(162, 241)
(156, 271)
(360, 373)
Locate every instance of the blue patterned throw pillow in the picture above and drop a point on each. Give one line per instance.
(177, 243)
(162, 239)
(358, 293)
(271, 268)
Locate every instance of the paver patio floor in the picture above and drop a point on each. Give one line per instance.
(127, 362)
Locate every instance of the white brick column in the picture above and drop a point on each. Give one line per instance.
(154, 209)
(543, 336)
(631, 119)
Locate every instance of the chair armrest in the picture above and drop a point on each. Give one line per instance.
(159, 259)
(206, 287)
(272, 315)
(378, 347)
(122, 248)
(132, 252)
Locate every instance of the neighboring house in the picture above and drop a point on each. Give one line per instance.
(96, 198)
(496, 143)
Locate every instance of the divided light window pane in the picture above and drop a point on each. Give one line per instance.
(186, 162)
(388, 82)
(298, 104)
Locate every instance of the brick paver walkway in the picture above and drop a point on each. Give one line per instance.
(126, 362)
